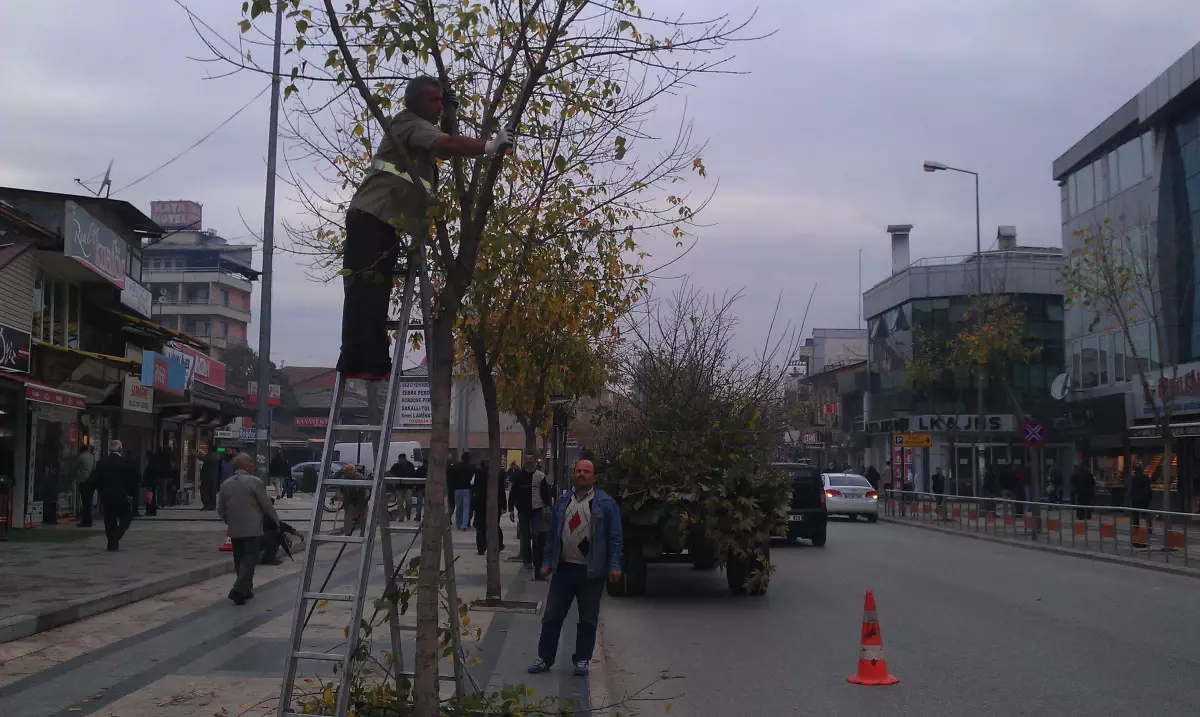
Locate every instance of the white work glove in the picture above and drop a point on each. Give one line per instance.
(499, 143)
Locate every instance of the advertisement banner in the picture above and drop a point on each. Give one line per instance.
(89, 242)
(312, 421)
(414, 404)
(137, 397)
(1175, 386)
(199, 365)
(14, 349)
(136, 297)
(163, 373)
(274, 398)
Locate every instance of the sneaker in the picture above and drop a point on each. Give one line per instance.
(539, 666)
(581, 668)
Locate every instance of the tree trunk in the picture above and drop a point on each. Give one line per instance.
(491, 406)
(531, 439)
(440, 350)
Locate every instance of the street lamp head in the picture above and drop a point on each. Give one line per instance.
(934, 166)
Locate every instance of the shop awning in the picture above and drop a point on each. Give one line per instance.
(117, 361)
(158, 331)
(39, 392)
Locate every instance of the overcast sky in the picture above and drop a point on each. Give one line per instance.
(817, 149)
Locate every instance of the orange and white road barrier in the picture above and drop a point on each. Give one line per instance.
(227, 546)
(872, 668)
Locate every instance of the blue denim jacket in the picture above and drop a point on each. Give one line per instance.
(606, 538)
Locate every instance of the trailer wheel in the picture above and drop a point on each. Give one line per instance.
(633, 573)
(735, 574)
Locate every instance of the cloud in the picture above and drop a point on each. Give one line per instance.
(817, 148)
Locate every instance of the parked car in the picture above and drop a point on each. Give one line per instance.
(298, 469)
(807, 514)
(851, 495)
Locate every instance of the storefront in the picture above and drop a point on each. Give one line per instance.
(12, 451)
(54, 436)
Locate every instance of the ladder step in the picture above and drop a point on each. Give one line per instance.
(330, 538)
(369, 428)
(444, 678)
(321, 656)
(334, 597)
(406, 528)
(350, 482)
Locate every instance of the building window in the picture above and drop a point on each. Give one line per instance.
(1119, 356)
(1114, 173)
(1129, 156)
(1105, 344)
(1076, 363)
(1090, 365)
(1147, 140)
(1087, 188)
(73, 311)
(224, 329)
(224, 297)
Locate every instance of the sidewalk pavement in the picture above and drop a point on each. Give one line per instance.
(56, 574)
(191, 653)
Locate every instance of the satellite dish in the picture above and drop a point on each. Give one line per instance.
(1058, 389)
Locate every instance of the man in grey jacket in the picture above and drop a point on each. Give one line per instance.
(244, 506)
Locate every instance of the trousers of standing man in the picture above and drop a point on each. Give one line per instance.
(245, 560)
(118, 515)
(570, 582)
(371, 251)
(87, 491)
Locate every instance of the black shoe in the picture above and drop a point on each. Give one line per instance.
(237, 598)
(113, 547)
(250, 596)
(85, 525)
(270, 562)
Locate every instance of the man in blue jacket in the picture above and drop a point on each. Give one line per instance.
(583, 547)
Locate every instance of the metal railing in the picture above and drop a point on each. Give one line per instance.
(1152, 535)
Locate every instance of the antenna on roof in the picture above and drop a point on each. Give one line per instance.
(105, 184)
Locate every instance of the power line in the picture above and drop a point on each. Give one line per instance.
(197, 143)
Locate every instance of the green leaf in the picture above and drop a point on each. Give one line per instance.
(244, 25)
(560, 163)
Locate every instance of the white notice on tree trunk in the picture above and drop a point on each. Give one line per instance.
(414, 404)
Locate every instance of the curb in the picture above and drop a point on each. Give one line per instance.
(601, 680)
(1060, 550)
(20, 626)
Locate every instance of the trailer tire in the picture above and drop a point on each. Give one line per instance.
(633, 574)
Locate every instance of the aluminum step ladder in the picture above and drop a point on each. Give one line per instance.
(374, 517)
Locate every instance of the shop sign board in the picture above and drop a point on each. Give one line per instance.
(1175, 386)
(54, 397)
(312, 421)
(136, 297)
(89, 242)
(199, 365)
(14, 349)
(228, 435)
(913, 440)
(163, 373)
(137, 397)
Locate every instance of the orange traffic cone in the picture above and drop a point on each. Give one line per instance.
(872, 668)
(227, 546)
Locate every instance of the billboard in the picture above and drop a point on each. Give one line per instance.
(199, 365)
(89, 242)
(165, 373)
(14, 349)
(176, 214)
(137, 397)
(414, 404)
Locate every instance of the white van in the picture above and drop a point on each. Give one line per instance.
(363, 454)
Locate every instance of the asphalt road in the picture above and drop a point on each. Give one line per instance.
(968, 626)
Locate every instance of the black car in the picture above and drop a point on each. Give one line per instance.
(807, 514)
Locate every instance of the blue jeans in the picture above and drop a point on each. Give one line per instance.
(462, 508)
(571, 583)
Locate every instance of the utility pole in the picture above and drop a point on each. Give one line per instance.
(262, 436)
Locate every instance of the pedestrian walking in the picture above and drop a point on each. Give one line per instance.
(1140, 495)
(116, 479)
(1083, 490)
(1056, 485)
(540, 500)
(479, 499)
(938, 484)
(210, 476)
(872, 477)
(354, 502)
(460, 476)
(150, 483)
(246, 509)
(520, 511)
(279, 470)
(85, 482)
(404, 468)
(584, 548)
(390, 197)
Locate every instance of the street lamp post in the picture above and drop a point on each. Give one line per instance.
(939, 167)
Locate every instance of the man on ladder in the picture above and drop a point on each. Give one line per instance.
(388, 203)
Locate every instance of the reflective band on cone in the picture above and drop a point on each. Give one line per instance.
(227, 546)
(872, 668)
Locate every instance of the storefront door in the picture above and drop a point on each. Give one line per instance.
(53, 440)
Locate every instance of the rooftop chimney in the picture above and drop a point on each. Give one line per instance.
(1006, 237)
(899, 234)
